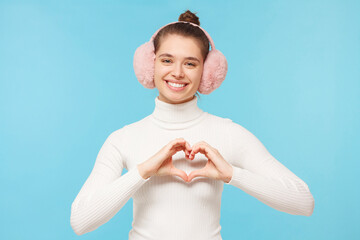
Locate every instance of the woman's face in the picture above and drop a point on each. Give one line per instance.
(178, 68)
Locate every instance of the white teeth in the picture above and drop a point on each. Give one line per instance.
(175, 84)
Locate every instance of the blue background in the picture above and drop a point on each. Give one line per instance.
(67, 82)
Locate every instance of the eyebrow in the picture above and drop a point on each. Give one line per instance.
(169, 55)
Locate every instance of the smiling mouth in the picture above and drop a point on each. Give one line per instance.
(176, 85)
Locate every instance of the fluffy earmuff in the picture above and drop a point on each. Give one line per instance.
(215, 65)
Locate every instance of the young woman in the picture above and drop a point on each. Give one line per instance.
(179, 157)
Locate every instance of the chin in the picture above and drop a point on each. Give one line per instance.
(178, 99)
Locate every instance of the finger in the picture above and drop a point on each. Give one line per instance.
(197, 173)
(187, 156)
(188, 148)
(211, 153)
(181, 144)
(176, 141)
(177, 145)
(204, 149)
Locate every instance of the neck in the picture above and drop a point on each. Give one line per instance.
(178, 115)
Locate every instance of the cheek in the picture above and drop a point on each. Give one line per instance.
(157, 73)
(159, 70)
(197, 75)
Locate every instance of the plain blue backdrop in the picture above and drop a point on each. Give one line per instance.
(67, 82)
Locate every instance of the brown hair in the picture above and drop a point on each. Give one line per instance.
(186, 30)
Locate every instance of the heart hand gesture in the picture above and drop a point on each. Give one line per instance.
(161, 163)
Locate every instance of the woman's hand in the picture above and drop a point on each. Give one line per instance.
(216, 167)
(161, 163)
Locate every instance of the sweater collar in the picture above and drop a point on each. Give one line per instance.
(176, 116)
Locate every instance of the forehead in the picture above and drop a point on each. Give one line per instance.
(179, 45)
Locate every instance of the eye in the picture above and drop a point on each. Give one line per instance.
(166, 60)
(191, 64)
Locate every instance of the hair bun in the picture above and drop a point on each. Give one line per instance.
(189, 17)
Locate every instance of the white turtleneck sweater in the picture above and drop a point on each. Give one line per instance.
(167, 207)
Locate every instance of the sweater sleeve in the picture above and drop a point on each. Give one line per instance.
(259, 174)
(105, 191)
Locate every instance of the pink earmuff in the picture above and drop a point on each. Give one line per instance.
(215, 65)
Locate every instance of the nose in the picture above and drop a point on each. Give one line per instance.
(178, 71)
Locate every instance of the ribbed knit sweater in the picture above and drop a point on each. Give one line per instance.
(167, 207)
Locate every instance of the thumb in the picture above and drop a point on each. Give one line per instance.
(179, 173)
(197, 173)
